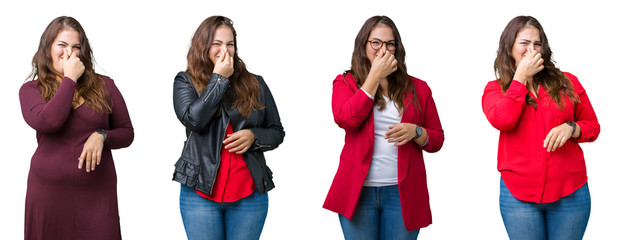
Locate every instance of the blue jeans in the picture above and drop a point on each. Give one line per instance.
(207, 219)
(378, 216)
(563, 219)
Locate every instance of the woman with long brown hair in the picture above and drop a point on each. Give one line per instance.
(380, 190)
(230, 119)
(543, 114)
(79, 116)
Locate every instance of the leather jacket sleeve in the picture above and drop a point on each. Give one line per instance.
(196, 112)
(271, 133)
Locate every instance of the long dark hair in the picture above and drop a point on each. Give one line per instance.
(550, 77)
(245, 87)
(90, 85)
(399, 82)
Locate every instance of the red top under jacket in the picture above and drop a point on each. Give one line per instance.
(233, 180)
(530, 172)
(352, 111)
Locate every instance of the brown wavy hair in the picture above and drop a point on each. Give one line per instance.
(550, 77)
(245, 89)
(399, 82)
(90, 85)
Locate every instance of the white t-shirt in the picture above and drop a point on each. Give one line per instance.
(384, 166)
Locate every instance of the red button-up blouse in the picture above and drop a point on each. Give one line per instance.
(233, 180)
(529, 171)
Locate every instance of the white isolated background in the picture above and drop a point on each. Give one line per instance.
(299, 48)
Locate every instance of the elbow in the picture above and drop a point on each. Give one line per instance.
(502, 120)
(130, 138)
(271, 147)
(348, 127)
(348, 124)
(193, 118)
(47, 127)
(278, 138)
(596, 131)
(52, 128)
(435, 148)
(436, 142)
(351, 119)
(193, 124)
(589, 133)
(267, 139)
(123, 137)
(282, 134)
(191, 127)
(46, 124)
(120, 137)
(502, 124)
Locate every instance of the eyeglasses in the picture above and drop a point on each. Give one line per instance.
(378, 44)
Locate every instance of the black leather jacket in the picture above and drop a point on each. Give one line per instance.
(197, 167)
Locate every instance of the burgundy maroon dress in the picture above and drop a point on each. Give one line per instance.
(62, 201)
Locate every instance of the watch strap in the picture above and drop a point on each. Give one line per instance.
(102, 132)
(573, 124)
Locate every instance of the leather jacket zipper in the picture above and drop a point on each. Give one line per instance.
(261, 146)
(196, 93)
(188, 139)
(213, 89)
(219, 162)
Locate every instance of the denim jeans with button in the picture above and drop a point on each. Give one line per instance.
(378, 216)
(563, 219)
(207, 219)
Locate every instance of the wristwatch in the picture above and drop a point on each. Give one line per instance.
(418, 132)
(573, 124)
(102, 132)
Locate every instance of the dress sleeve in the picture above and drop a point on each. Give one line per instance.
(46, 117)
(271, 133)
(350, 108)
(584, 115)
(503, 110)
(196, 112)
(432, 124)
(120, 134)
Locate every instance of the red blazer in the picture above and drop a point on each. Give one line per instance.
(352, 111)
(530, 172)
